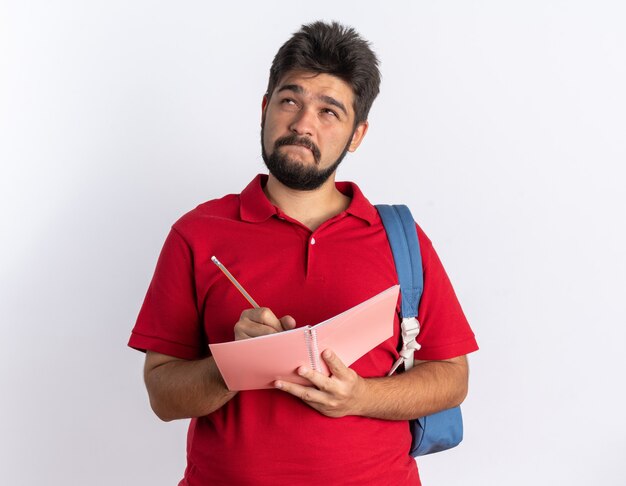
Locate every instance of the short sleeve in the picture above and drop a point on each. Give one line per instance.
(169, 321)
(445, 332)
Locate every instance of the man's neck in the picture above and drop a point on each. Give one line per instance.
(311, 208)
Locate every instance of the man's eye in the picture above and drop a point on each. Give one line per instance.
(288, 101)
(328, 111)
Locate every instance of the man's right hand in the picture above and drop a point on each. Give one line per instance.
(261, 321)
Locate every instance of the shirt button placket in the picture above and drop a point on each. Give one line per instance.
(310, 255)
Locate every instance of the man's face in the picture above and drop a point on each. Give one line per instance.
(307, 128)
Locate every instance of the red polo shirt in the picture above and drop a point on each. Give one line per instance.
(267, 436)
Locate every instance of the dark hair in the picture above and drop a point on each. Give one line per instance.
(331, 49)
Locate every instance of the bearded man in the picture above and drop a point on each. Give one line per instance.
(308, 248)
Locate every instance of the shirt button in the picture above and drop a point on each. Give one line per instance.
(312, 241)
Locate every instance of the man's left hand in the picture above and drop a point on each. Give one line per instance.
(336, 395)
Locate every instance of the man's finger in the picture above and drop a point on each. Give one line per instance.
(264, 316)
(335, 365)
(320, 381)
(307, 394)
(257, 322)
(288, 323)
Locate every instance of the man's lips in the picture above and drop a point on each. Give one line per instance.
(301, 148)
(299, 143)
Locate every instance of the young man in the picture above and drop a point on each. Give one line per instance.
(307, 248)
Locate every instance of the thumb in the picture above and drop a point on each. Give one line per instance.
(288, 322)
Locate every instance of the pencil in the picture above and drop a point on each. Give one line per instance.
(234, 282)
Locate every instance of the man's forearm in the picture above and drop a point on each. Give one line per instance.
(184, 389)
(427, 388)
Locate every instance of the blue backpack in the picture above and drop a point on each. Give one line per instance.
(442, 430)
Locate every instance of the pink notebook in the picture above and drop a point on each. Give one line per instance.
(255, 363)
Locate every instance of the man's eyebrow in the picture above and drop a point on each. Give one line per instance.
(296, 88)
(332, 101)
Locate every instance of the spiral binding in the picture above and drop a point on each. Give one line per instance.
(310, 337)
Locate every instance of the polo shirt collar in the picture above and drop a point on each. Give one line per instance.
(255, 207)
(359, 206)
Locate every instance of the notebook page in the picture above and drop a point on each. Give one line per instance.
(255, 363)
(360, 329)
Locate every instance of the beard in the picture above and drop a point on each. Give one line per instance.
(293, 173)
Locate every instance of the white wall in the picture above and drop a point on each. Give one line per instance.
(502, 125)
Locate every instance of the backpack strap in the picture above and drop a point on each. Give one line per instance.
(442, 430)
(400, 227)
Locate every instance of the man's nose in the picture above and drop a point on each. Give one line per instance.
(303, 123)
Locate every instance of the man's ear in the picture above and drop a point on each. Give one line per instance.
(264, 107)
(357, 137)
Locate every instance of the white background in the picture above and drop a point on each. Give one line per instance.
(501, 124)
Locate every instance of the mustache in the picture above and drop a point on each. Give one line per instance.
(302, 141)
